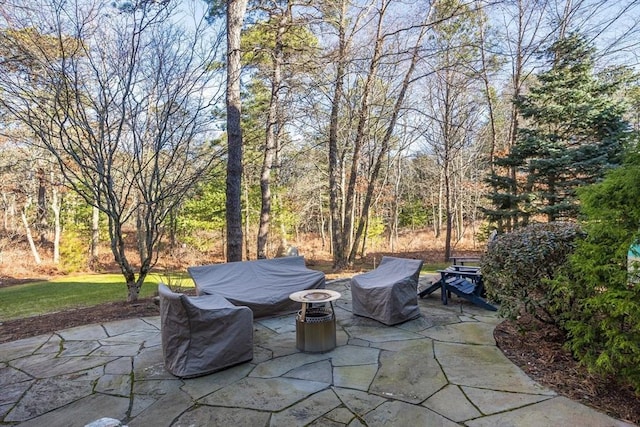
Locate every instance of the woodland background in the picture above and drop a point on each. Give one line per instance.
(365, 125)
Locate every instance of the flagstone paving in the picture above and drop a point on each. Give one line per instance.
(442, 369)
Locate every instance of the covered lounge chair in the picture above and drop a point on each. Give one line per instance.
(263, 285)
(201, 335)
(389, 293)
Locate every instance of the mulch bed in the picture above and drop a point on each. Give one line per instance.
(538, 350)
(32, 326)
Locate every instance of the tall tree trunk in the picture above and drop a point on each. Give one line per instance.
(247, 212)
(55, 207)
(440, 205)
(235, 16)
(271, 135)
(361, 134)
(448, 216)
(95, 235)
(41, 221)
(27, 229)
(335, 168)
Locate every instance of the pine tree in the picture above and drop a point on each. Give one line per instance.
(574, 132)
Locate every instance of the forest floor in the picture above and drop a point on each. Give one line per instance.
(536, 348)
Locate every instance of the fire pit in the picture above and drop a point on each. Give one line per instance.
(316, 321)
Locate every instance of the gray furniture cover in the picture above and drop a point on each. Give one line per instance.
(389, 293)
(263, 285)
(203, 334)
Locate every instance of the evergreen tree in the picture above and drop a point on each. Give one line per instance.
(574, 133)
(601, 300)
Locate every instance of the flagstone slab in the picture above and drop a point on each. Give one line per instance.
(47, 366)
(357, 377)
(217, 416)
(342, 337)
(260, 354)
(558, 411)
(163, 411)
(343, 310)
(134, 337)
(319, 371)
(140, 402)
(432, 307)
(52, 346)
(17, 349)
(265, 394)
(117, 385)
(281, 365)
(157, 388)
(350, 355)
(4, 409)
(82, 412)
(408, 375)
(153, 321)
(10, 375)
(83, 333)
(358, 402)
(464, 332)
(126, 326)
(426, 321)
(201, 386)
(407, 346)
(483, 366)
(403, 414)
(149, 365)
(485, 317)
(262, 334)
(78, 348)
(493, 401)
(308, 410)
(279, 345)
(154, 340)
(121, 365)
(453, 404)
(279, 325)
(378, 333)
(340, 415)
(117, 350)
(11, 393)
(46, 395)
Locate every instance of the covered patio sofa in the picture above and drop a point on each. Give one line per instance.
(262, 285)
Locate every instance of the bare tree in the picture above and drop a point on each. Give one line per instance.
(124, 107)
(372, 56)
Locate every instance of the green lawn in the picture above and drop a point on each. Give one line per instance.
(63, 293)
(43, 297)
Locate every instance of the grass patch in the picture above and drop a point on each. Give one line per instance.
(433, 268)
(36, 298)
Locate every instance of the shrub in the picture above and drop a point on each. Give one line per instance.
(604, 326)
(73, 252)
(518, 267)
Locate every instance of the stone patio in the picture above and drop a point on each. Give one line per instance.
(442, 369)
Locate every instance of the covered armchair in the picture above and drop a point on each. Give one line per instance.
(204, 334)
(389, 293)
